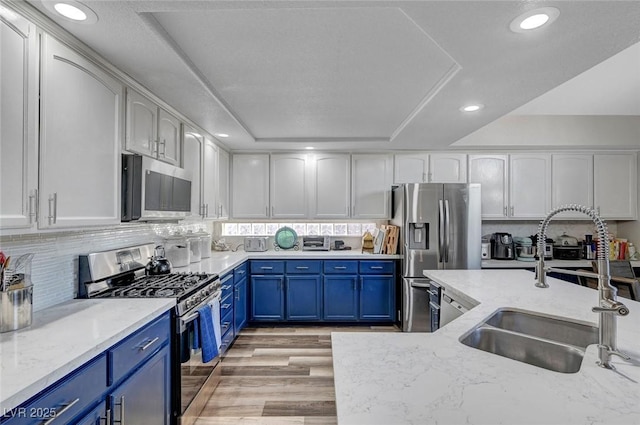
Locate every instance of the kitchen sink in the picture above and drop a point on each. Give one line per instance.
(544, 341)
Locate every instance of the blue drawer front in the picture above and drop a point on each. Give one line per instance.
(226, 322)
(267, 267)
(338, 266)
(139, 347)
(304, 266)
(227, 284)
(240, 273)
(376, 267)
(227, 339)
(226, 306)
(82, 388)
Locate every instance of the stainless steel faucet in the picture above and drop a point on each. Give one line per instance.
(608, 307)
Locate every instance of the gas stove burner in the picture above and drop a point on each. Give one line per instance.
(164, 293)
(191, 280)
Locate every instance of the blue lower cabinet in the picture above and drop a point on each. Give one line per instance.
(98, 416)
(304, 298)
(377, 300)
(340, 297)
(144, 397)
(267, 297)
(239, 305)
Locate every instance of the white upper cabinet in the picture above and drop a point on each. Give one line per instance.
(152, 131)
(616, 185)
(411, 168)
(193, 148)
(430, 168)
(371, 177)
(491, 171)
(571, 182)
(331, 176)
(18, 128)
(168, 138)
(142, 124)
(289, 186)
(250, 186)
(529, 185)
(222, 208)
(447, 168)
(210, 180)
(79, 141)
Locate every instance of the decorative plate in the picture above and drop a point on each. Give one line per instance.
(286, 238)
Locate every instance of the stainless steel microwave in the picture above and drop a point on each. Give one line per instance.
(154, 190)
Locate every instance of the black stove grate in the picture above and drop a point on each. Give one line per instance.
(162, 286)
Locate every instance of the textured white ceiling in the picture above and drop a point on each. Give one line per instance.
(350, 74)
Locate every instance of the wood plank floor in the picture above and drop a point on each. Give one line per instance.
(280, 375)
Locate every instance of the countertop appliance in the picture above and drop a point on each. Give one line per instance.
(566, 247)
(502, 247)
(525, 249)
(316, 243)
(154, 190)
(548, 247)
(255, 243)
(120, 274)
(440, 228)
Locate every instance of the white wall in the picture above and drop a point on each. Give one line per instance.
(557, 131)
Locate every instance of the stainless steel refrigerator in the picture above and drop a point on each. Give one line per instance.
(440, 228)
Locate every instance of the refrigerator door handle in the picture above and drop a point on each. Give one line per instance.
(441, 225)
(447, 229)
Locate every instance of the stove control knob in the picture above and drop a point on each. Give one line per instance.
(188, 304)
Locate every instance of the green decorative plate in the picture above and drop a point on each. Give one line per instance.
(286, 238)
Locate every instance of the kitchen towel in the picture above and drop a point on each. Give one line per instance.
(215, 314)
(207, 334)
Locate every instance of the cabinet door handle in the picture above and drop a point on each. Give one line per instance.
(240, 272)
(340, 268)
(505, 212)
(61, 412)
(266, 268)
(53, 208)
(225, 306)
(512, 209)
(225, 287)
(266, 211)
(206, 213)
(302, 268)
(121, 404)
(376, 267)
(598, 210)
(164, 147)
(32, 202)
(220, 209)
(149, 344)
(237, 295)
(424, 177)
(107, 418)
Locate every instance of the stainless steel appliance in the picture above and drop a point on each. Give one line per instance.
(440, 228)
(315, 243)
(120, 274)
(502, 247)
(154, 190)
(452, 307)
(255, 243)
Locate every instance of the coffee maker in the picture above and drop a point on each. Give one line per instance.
(502, 247)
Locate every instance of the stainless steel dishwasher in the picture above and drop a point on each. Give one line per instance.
(451, 308)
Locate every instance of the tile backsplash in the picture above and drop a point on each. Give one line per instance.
(54, 270)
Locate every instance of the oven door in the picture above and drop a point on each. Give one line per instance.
(197, 379)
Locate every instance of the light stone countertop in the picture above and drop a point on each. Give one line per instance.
(422, 378)
(222, 262)
(63, 338)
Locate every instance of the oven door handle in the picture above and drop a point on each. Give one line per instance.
(195, 314)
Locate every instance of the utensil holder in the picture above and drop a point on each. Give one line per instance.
(16, 310)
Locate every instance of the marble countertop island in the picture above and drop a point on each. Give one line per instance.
(432, 378)
(64, 337)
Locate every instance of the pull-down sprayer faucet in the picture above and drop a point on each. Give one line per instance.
(608, 307)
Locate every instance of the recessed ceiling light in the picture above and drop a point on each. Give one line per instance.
(72, 10)
(472, 108)
(534, 19)
(223, 135)
(309, 148)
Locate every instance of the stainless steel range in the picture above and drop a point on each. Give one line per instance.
(121, 274)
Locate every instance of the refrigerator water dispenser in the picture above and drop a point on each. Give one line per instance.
(418, 235)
